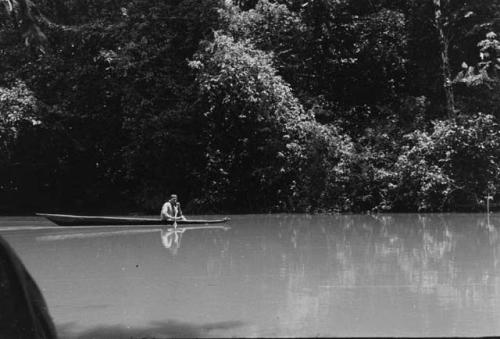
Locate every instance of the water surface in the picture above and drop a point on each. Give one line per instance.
(269, 275)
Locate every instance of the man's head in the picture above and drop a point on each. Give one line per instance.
(173, 198)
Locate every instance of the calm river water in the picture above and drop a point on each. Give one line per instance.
(269, 275)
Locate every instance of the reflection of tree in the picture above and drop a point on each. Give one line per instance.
(433, 254)
(450, 258)
(435, 260)
(316, 263)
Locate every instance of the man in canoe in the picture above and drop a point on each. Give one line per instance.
(171, 210)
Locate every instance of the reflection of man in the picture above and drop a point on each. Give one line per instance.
(171, 239)
(23, 311)
(171, 210)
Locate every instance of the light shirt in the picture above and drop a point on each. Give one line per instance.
(169, 211)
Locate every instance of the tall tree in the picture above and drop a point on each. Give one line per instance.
(445, 60)
(27, 16)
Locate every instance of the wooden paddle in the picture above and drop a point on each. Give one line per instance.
(175, 216)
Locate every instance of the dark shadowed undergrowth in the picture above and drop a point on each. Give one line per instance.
(248, 106)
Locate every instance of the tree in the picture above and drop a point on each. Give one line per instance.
(445, 61)
(26, 16)
(18, 111)
(477, 85)
(455, 166)
(251, 117)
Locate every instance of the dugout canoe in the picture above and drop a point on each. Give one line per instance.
(86, 220)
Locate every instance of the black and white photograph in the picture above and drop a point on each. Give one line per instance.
(249, 169)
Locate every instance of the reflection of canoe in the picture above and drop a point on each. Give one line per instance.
(108, 233)
(81, 220)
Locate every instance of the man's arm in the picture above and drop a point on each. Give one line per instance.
(179, 212)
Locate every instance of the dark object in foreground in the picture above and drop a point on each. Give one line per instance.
(23, 312)
(81, 220)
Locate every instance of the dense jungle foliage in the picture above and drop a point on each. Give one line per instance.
(249, 106)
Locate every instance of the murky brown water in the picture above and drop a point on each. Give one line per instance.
(270, 275)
